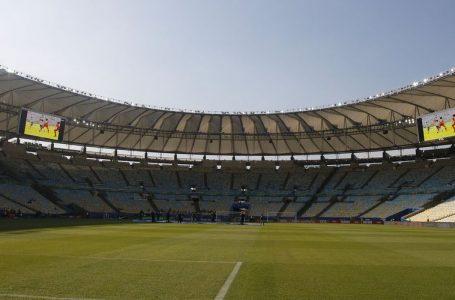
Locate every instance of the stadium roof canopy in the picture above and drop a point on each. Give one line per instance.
(384, 121)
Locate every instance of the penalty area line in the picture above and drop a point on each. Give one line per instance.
(227, 284)
(22, 296)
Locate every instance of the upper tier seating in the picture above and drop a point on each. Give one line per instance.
(110, 176)
(138, 176)
(81, 173)
(246, 179)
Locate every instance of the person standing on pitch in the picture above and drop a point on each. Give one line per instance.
(168, 216)
(262, 219)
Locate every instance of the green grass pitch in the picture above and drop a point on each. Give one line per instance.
(56, 258)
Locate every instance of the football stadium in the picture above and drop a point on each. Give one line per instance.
(103, 199)
(233, 167)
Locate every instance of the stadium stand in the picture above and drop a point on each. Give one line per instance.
(351, 207)
(221, 204)
(10, 205)
(398, 204)
(86, 200)
(89, 171)
(440, 212)
(58, 185)
(447, 219)
(129, 202)
(27, 197)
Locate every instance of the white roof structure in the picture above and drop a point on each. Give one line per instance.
(384, 121)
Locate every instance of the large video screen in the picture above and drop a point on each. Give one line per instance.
(41, 125)
(437, 126)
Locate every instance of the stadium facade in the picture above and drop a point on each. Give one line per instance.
(345, 183)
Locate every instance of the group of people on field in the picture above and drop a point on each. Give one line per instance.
(439, 123)
(177, 215)
(10, 213)
(44, 124)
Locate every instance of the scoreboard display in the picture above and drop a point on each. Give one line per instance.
(35, 124)
(437, 126)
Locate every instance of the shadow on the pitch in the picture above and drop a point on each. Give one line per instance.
(27, 225)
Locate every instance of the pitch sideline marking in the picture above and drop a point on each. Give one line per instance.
(43, 297)
(227, 284)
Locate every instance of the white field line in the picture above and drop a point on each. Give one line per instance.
(42, 297)
(227, 284)
(127, 258)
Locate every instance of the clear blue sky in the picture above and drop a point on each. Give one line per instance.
(229, 55)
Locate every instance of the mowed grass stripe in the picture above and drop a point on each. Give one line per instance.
(127, 259)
